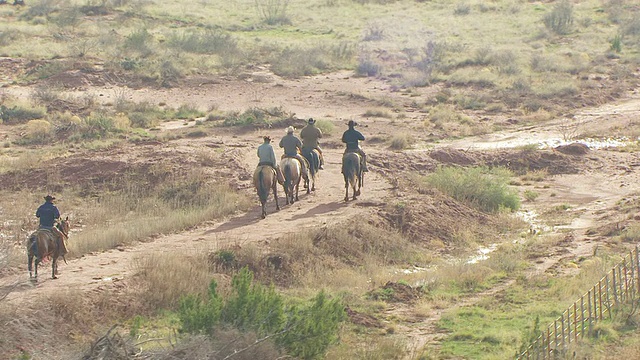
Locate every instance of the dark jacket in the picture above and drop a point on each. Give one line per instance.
(47, 213)
(351, 138)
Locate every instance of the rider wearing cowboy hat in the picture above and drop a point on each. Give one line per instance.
(267, 156)
(48, 214)
(310, 135)
(292, 148)
(351, 138)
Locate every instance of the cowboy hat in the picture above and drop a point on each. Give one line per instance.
(49, 198)
(290, 129)
(352, 123)
(312, 121)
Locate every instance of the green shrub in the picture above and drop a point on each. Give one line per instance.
(560, 19)
(304, 331)
(616, 44)
(139, 42)
(531, 195)
(254, 116)
(310, 330)
(96, 126)
(188, 112)
(19, 115)
(367, 67)
(325, 126)
(209, 41)
(483, 188)
(273, 12)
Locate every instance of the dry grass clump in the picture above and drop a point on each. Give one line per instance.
(162, 277)
(353, 254)
(401, 141)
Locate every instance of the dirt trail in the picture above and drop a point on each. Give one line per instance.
(592, 194)
(322, 207)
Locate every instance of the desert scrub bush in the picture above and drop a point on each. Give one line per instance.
(257, 117)
(273, 12)
(186, 111)
(560, 19)
(325, 126)
(473, 101)
(96, 126)
(208, 41)
(139, 42)
(40, 8)
(531, 195)
(484, 188)
(38, 132)
(49, 69)
(367, 67)
(19, 114)
(303, 330)
(381, 113)
(298, 61)
(442, 114)
(401, 141)
(556, 89)
(374, 32)
(474, 78)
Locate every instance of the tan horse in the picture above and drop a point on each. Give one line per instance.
(265, 180)
(353, 174)
(292, 170)
(44, 244)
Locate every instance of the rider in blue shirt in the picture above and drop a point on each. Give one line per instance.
(351, 138)
(48, 213)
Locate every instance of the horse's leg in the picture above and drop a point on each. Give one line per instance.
(346, 189)
(354, 192)
(30, 263)
(298, 190)
(264, 209)
(54, 266)
(275, 195)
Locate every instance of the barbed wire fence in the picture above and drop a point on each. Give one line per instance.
(620, 286)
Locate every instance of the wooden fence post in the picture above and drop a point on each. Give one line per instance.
(590, 316)
(582, 312)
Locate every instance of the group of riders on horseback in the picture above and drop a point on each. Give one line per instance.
(294, 147)
(303, 150)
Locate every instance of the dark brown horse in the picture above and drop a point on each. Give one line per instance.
(353, 174)
(292, 171)
(265, 181)
(44, 244)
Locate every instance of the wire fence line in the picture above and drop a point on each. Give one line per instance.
(620, 285)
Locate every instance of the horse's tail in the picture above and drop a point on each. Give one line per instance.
(350, 168)
(32, 244)
(314, 161)
(263, 190)
(288, 174)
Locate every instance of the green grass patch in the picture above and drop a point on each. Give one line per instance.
(481, 187)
